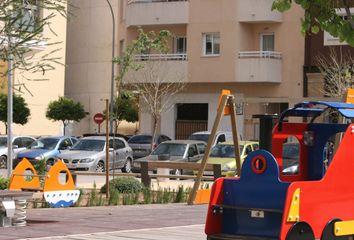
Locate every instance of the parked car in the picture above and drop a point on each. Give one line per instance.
(45, 148)
(126, 138)
(19, 143)
(224, 154)
(221, 136)
(89, 154)
(141, 144)
(177, 151)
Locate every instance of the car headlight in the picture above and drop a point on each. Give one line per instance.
(86, 160)
(41, 157)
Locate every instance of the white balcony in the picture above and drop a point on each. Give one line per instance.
(259, 66)
(157, 12)
(166, 67)
(257, 11)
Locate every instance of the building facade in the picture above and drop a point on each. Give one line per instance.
(240, 45)
(39, 89)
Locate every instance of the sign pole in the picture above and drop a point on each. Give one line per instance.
(107, 150)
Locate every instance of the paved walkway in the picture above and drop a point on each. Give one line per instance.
(194, 232)
(176, 221)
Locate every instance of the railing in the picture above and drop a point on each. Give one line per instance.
(150, 1)
(156, 57)
(259, 54)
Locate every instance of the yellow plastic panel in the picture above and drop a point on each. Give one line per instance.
(52, 183)
(344, 228)
(294, 211)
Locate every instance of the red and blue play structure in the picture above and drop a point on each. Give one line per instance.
(315, 202)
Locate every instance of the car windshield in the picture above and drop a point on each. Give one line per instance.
(200, 137)
(224, 151)
(44, 143)
(173, 149)
(89, 145)
(3, 142)
(142, 139)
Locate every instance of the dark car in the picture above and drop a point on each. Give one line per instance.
(141, 144)
(291, 157)
(46, 148)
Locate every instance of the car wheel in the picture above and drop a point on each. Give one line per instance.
(127, 166)
(3, 161)
(100, 167)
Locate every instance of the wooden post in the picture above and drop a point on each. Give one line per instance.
(144, 170)
(217, 171)
(211, 140)
(235, 135)
(107, 150)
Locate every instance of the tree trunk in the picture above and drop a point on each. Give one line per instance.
(154, 131)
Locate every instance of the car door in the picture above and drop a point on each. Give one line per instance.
(17, 145)
(201, 150)
(193, 155)
(121, 153)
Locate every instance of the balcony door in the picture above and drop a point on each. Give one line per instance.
(181, 45)
(267, 42)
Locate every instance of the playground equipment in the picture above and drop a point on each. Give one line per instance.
(314, 201)
(55, 193)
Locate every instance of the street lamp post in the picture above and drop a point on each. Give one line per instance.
(9, 108)
(112, 72)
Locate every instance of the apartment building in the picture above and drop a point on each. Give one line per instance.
(239, 45)
(39, 89)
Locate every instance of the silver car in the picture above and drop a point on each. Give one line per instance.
(89, 154)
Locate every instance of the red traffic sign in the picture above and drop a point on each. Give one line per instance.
(98, 118)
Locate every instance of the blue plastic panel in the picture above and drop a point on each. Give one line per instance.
(251, 192)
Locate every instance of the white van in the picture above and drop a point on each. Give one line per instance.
(221, 136)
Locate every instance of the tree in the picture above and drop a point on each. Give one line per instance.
(125, 107)
(145, 42)
(65, 110)
(156, 87)
(323, 15)
(338, 72)
(21, 111)
(21, 31)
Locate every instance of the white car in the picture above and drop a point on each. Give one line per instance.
(19, 143)
(221, 136)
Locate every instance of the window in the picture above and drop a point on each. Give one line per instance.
(28, 15)
(181, 45)
(119, 144)
(27, 141)
(267, 42)
(201, 148)
(65, 144)
(211, 44)
(192, 150)
(18, 142)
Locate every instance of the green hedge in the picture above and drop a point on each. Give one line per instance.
(124, 185)
(4, 183)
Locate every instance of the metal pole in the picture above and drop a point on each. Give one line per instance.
(9, 109)
(107, 151)
(112, 71)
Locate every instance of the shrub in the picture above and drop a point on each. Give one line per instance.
(124, 185)
(4, 183)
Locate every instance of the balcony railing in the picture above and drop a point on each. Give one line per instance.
(173, 66)
(159, 57)
(259, 54)
(157, 12)
(259, 66)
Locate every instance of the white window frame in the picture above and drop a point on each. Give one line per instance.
(213, 35)
(184, 43)
(261, 35)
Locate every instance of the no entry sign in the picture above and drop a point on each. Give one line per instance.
(98, 118)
